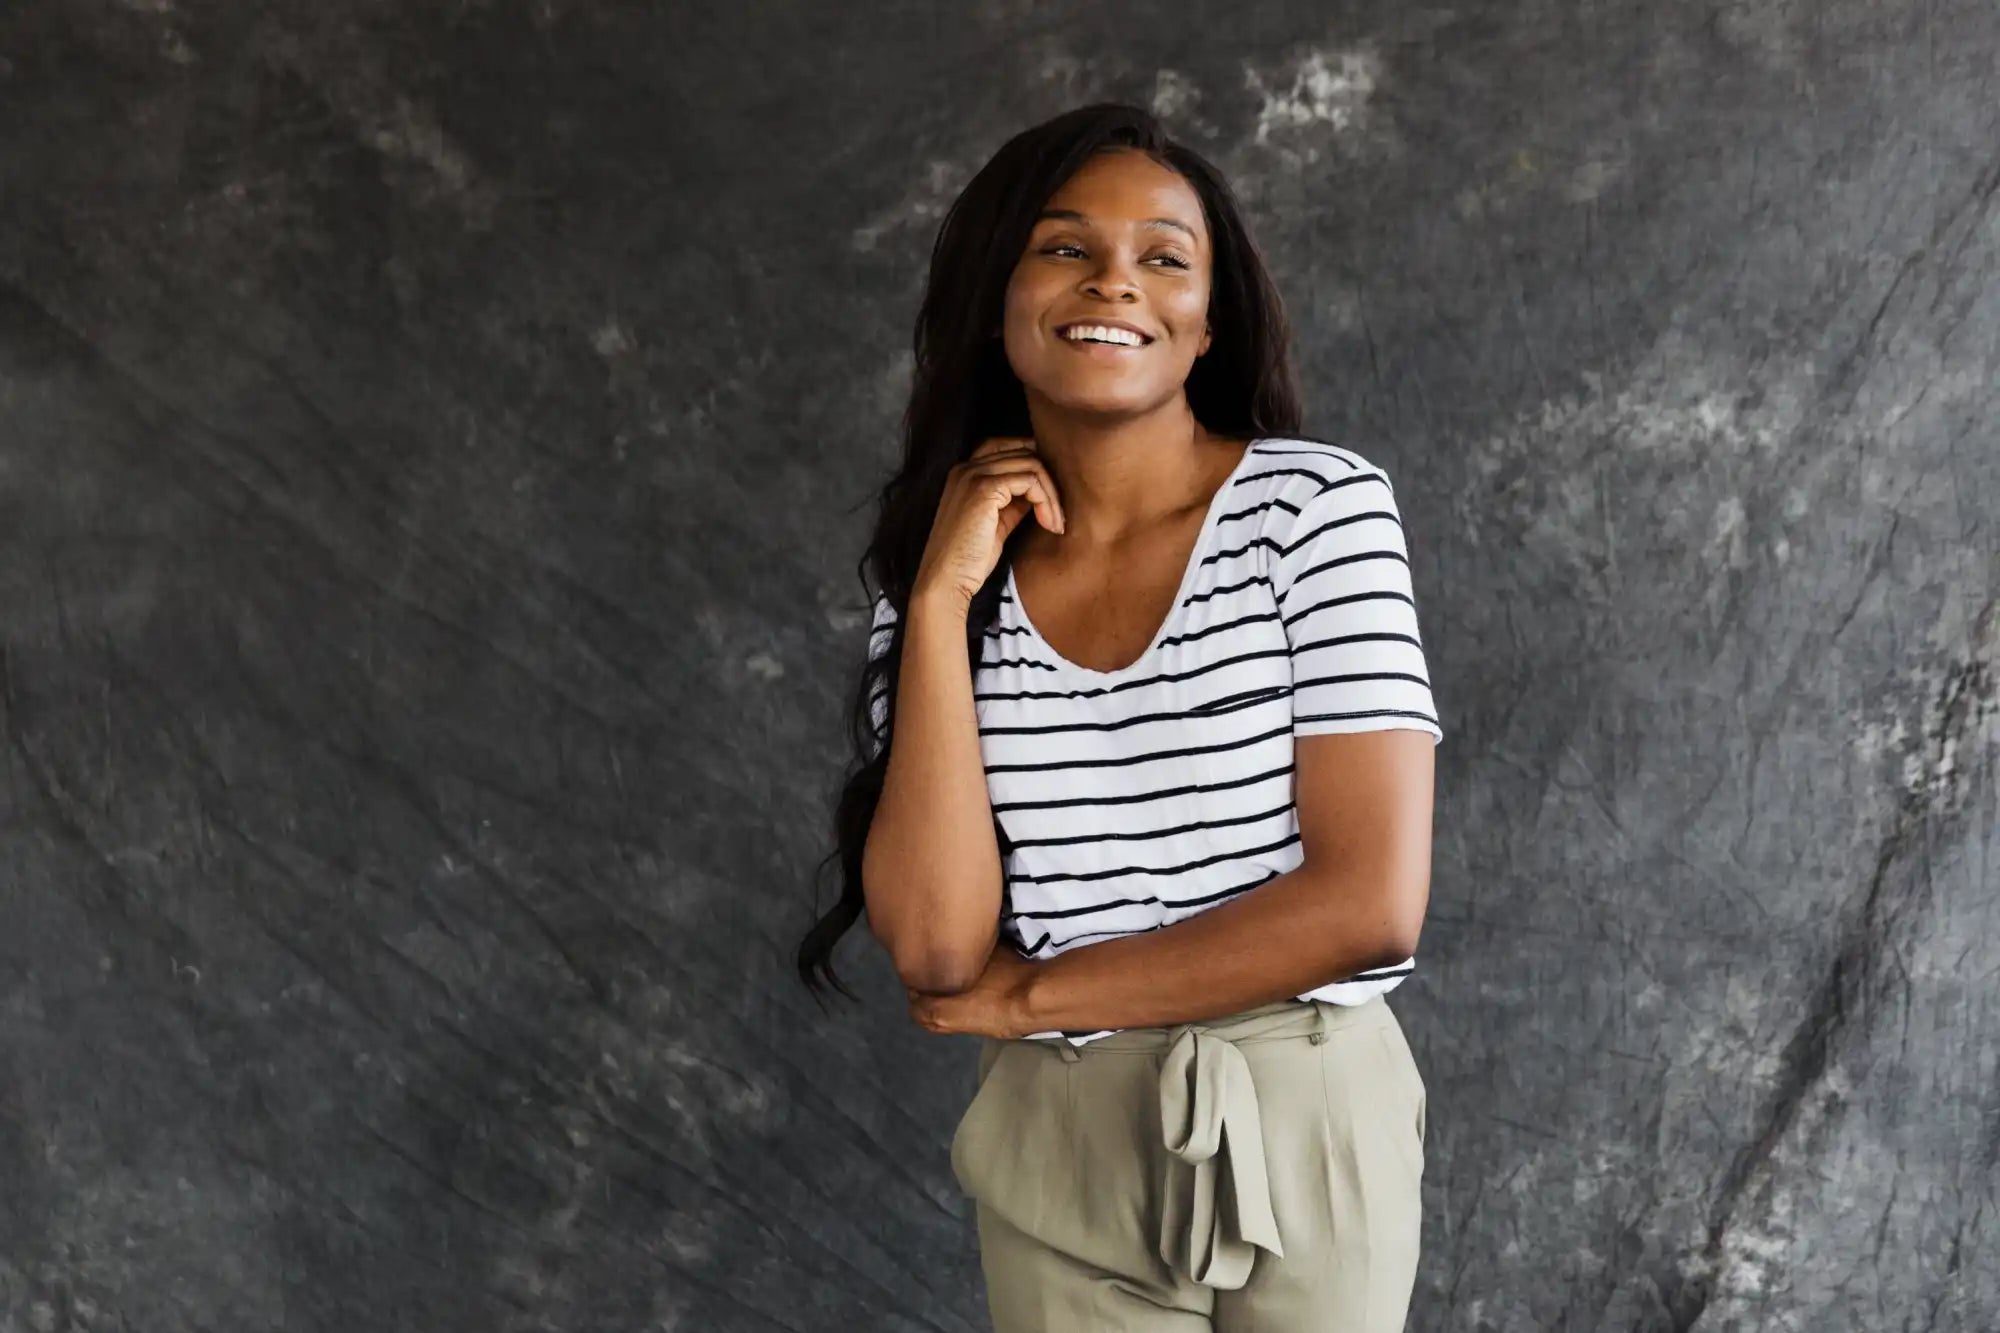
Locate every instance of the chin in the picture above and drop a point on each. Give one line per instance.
(1101, 398)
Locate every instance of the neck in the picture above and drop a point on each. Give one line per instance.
(1121, 476)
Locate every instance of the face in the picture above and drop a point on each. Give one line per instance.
(1123, 241)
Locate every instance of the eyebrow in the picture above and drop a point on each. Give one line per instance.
(1071, 215)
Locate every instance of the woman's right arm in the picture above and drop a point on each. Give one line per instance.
(930, 871)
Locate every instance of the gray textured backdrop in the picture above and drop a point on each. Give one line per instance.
(431, 439)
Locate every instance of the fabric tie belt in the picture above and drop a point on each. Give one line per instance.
(1216, 1207)
(1218, 1194)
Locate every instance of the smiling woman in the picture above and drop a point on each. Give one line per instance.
(1144, 791)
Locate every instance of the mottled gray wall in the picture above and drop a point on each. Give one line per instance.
(431, 443)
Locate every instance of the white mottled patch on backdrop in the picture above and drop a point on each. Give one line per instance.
(610, 339)
(1174, 93)
(1326, 88)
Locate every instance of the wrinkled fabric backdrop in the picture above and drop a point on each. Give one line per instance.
(434, 451)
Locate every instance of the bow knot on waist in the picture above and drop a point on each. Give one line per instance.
(1217, 1206)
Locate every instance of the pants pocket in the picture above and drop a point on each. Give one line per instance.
(1007, 1149)
(968, 1138)
(1410, 1097)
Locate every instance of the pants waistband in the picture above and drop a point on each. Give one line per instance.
(1280, 1018)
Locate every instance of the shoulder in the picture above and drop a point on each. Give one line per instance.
(1302, 472)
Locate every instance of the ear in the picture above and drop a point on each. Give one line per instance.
(1207, 337)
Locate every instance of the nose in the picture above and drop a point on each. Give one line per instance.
(1113, 281)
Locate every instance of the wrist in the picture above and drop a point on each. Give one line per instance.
(1027, 1001)
(943, 603)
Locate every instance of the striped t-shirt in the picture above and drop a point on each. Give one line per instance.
(1139, 797)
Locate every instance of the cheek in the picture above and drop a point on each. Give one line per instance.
(1187, 337)
(1024, 291)
(1017, 316)
(1189, 313)
(1184, 314)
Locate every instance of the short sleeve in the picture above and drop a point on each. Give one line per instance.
(1342, 579)
(881, 629)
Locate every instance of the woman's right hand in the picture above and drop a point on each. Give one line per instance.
(985, 497)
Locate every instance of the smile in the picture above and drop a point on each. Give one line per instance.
(1115, 333)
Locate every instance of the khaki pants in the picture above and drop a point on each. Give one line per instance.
(1255, 1172)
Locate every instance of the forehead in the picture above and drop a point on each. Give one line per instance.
(1127, 190)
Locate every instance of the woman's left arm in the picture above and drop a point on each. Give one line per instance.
(1355, 902)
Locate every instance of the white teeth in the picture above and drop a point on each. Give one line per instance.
(1102, 333)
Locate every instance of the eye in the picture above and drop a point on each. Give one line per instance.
(1172, 259)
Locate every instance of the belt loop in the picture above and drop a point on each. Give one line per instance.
(1318, 1035)
(1068, 1050)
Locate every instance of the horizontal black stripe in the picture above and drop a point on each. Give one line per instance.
(1227, 588)
(1130, 798)
(1173, 904)
(1310, 681)
(1144, 834)
(1254, 509)
(1375, 594)
(1182, 868)
(1221, 706)
(1205, 901)
(1285, 551)
(1367, 712)
(1339, 560)
(1017, 662)
(1321, 477)
(1339, 640)
(1126, 761)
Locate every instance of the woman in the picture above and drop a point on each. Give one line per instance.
(1147, 794)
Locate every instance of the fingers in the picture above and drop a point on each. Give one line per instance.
(1006, 478)
(1007, 469)
(1003, 444)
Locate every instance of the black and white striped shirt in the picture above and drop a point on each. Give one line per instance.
(1138, 797)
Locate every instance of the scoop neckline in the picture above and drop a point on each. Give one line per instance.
(1167, 625)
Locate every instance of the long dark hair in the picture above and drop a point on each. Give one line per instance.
(964, 391)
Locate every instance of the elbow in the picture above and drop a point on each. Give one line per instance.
(931, 968)
(1402, 945)
(932, 976)
(944, 964)
(1398, 915)
(1404, 929)
(937, 940)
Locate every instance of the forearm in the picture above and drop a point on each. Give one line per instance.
(1287, 936)
(931, 867)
